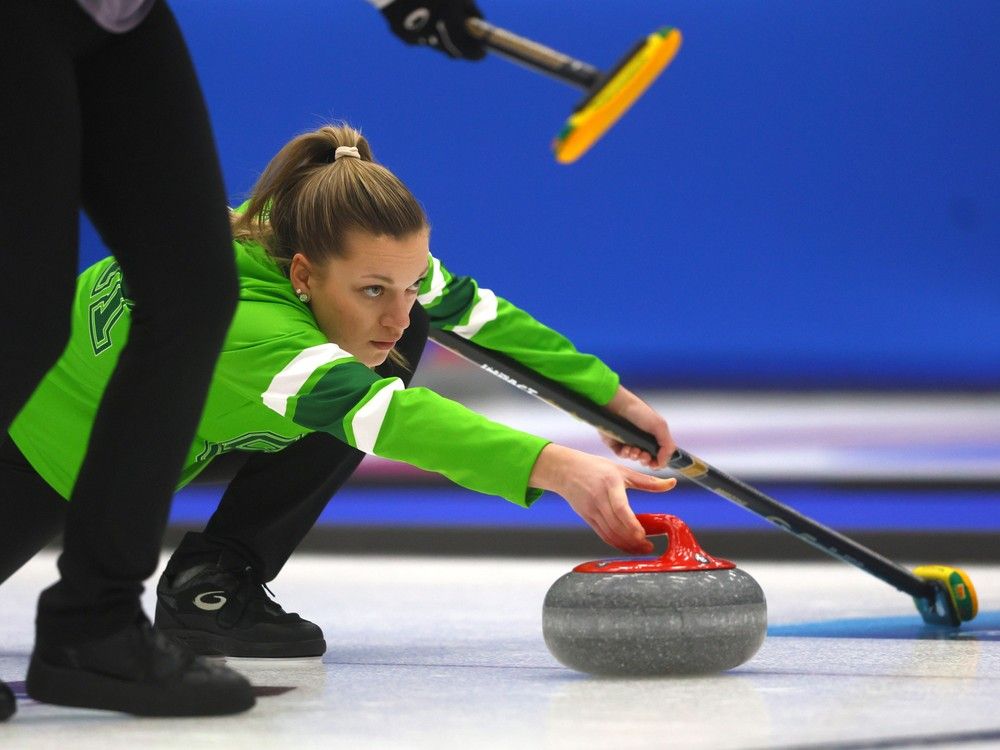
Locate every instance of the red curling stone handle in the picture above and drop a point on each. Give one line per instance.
(683, 552)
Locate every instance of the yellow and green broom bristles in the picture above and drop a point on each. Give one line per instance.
(957, 584)
(613, 99)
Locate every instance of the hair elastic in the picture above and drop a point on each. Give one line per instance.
(346, 151)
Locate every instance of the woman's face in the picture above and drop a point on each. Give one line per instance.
(362, 301)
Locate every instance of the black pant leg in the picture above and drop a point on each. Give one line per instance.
(269, 506)
(32, 514)
(151, 183)
(275, 498)
(39, 191)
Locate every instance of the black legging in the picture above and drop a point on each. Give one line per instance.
(115, 124)
(272, 500)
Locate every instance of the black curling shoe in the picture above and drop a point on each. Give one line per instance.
(138, 671)
(8, 704)
(227, 613)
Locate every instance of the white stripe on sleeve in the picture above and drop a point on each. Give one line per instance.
(437, 284)
(483, 312)
(287, 383)
(367, 421)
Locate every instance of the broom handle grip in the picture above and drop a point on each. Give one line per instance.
(534, 55)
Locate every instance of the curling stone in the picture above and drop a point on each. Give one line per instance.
(683, 613)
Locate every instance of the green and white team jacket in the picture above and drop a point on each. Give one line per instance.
(279, 378)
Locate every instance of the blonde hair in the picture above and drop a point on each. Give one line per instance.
(307, 200)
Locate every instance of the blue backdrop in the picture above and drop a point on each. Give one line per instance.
(810, 195)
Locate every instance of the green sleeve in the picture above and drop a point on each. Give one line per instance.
(459, 304)
(324, 388)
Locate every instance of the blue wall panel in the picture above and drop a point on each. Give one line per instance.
(809, 196)
(843, 508)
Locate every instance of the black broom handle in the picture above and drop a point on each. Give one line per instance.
(534, 55)
(701, 473)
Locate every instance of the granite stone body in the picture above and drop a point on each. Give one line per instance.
(652, 624)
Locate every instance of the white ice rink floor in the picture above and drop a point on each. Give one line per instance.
(448, 653)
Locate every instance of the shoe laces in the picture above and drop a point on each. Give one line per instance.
(248, 591)
(252, 588)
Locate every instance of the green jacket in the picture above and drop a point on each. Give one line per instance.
(279, 378)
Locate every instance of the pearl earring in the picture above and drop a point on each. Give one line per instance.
(303, 296)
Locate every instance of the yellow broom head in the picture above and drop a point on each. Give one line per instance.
(961, 592)
(619, 91)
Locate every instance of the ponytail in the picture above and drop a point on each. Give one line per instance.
(308, 199)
